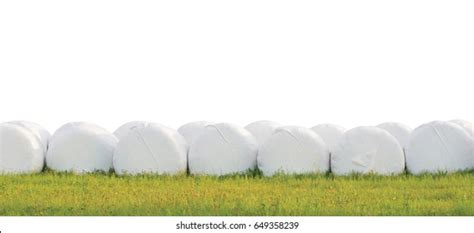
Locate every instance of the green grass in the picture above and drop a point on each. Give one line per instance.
(245, 195)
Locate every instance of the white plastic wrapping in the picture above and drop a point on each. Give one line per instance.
(223, 149)
(41, 133)
(153, 149)
(400, 131)
(126, 128)
(366, 150)
(439, 147)
(293, 150)
(262, 130)
(81, 147)
(465, 125)
(20, 150)
(192, 130)
(331, 134)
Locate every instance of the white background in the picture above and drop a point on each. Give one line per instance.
(168, 224)
(296, 62)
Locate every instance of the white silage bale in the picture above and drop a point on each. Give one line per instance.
(465, 125)
(368, 150)
(21, 151)
(262, 130)
(400, 131)
(81, 147)
(331, 134)
(41, 133)
(439, 147)
(293, 150)
(192, 130)
(153, 149)
(126, 128)
(223, 149)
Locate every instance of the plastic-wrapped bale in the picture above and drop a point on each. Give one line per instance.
(153, 149)
(331, 134)
(367, 150)
(21, 151)
(439, 147)
(262, 130)
(293, 150)
(223, 149)
(81, 147)
(465, 125)
(126, 128)
(41, 133)
(192, 130)
(400, 131)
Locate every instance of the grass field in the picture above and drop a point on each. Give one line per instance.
(106, 194)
